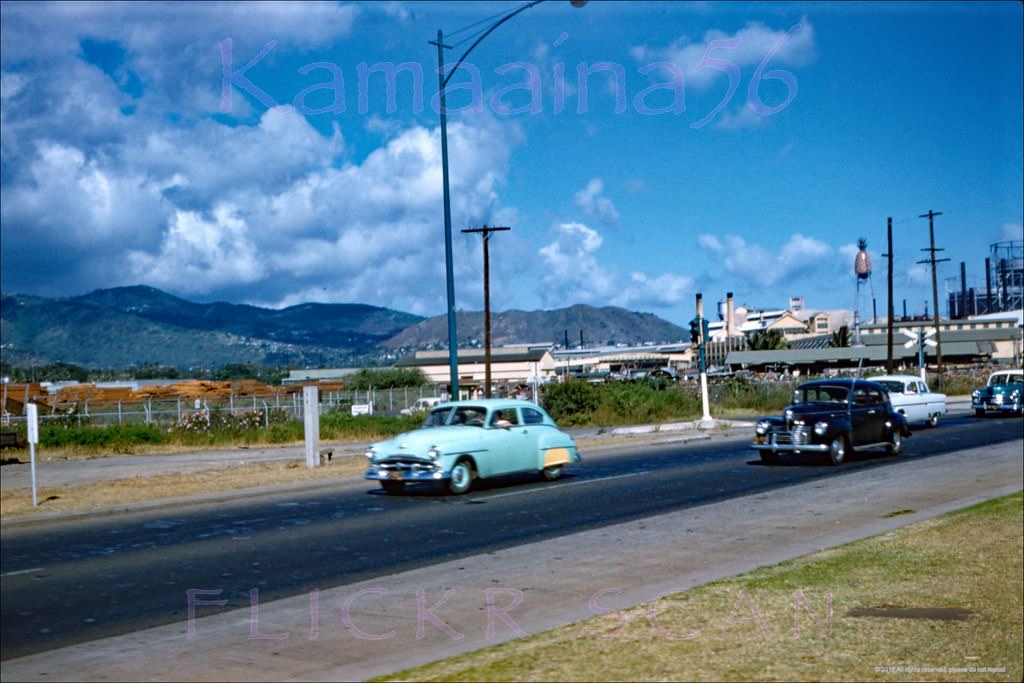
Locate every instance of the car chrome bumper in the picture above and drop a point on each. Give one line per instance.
(771, 445)
(997, 407)
(380, 474)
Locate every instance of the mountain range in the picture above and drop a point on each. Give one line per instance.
(127, 327)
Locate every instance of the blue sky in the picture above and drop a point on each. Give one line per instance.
(640, 152)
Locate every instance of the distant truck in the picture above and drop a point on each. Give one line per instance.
(911, 398)
(421, 405)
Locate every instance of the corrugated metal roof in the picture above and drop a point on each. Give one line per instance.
(472, 356)
(851, 354)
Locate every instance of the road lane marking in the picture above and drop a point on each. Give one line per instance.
(21, 571)
(565, 485)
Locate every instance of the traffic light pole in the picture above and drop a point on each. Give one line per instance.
(702, 340)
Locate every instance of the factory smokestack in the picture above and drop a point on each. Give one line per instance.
(730, 320)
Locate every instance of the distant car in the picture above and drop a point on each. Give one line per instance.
(421, 405)
(1003, 393)
(833, 417)
(910, 396)
(465, 440)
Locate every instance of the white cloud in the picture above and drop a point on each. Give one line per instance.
(799, 257)
(745, 48)
(199, 253)
(575, 275)
(661, 291)
(1012, 232)
(592, 203)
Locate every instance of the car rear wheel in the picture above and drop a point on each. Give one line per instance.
(895, 442)
(392, 486)
(461, 477)
(933, 420)
(770, 457)
(552, 473)
(837, 450)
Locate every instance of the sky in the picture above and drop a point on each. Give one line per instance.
(642, 152)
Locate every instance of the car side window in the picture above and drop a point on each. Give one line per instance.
(913, 388)
(532, 417)
(874, 396)
(507, 414)
(860, 397)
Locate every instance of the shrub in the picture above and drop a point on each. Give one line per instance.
(571, 403)
(118, 438)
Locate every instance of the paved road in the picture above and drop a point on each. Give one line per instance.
(381, 625)
(89, 559)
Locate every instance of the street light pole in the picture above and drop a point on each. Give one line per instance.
(453, 346)
(442, 80)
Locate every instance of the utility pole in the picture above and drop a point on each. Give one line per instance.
(486, 232)
(888, 332)
(935, 288)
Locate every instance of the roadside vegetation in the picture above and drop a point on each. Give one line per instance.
(936, 601)
(575, 403)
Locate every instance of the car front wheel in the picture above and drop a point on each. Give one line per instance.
(895, 442)
(392, 486)
(461, 478)
(979, 412)
(837, 450)
(770, 457)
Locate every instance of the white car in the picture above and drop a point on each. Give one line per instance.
(910, 396)
(421, 405)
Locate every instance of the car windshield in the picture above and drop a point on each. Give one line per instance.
(820, 394)
(469, 416)
(893, 387)
(437, 417)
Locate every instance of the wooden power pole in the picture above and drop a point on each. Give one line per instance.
(486, 232)
(935, 289)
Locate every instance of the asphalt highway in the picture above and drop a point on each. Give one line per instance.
(77, 580)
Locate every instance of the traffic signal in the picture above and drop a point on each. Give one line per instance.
(695, 331)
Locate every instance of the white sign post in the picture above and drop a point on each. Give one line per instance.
(311, 419)
(32, 416)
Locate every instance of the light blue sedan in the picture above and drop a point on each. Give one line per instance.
(465, 440)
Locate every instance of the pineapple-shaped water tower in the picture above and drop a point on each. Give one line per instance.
(862, 267)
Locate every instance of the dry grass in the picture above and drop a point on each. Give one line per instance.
(116, 492)
(774, 624)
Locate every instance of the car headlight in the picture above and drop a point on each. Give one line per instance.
(761, 427)
(371, 452)
(789, 415)
(434, 453)
(820, 428)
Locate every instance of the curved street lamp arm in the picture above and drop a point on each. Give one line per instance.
(484, 35)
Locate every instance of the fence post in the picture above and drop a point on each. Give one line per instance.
(311, 422)
(179, 410)
(119, 419)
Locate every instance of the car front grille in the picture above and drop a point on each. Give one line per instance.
(798, 436)
(406, 465)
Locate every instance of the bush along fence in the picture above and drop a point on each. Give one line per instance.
(188, 411)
